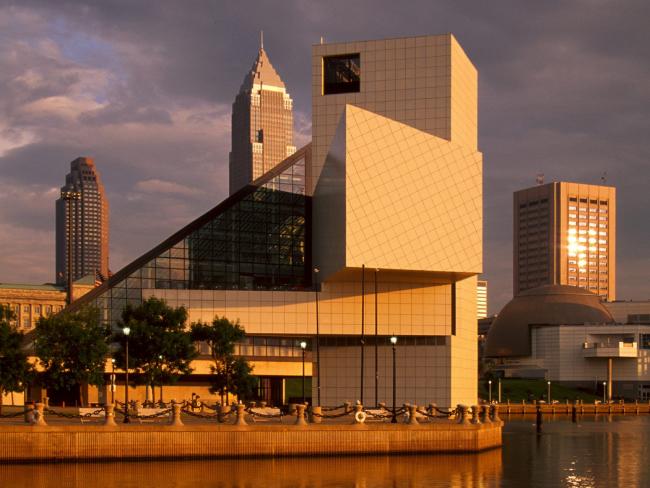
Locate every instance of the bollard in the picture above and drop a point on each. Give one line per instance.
(462, 414)
(29, 412)
(222, 412)
(539, 419)
(109, 415)
(292, 408)
(240, 415)
(495, 413)
(574, 414)
(636, 407)
(39, 414)
(485, 414)
(300, 415)
(413, 419)
(475, 415)
(176, 414)
(316, 413)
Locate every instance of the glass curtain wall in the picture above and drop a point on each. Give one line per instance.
(259, 242)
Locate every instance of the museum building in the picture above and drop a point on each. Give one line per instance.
(372, 230)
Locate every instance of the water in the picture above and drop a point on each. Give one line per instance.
(597, 452)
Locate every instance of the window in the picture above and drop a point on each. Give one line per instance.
(644, 341)
(341, 74)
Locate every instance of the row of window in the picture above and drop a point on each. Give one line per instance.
(587, 200)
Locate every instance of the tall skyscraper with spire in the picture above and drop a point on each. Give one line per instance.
(82, 217)
(262, 123)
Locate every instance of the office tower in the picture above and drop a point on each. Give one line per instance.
(481, 299)
(565, 234)
(386, 203)
(262, 124)
(82, 212)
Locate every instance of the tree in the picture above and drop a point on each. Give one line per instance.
(15, 369)
(160, 348)
(72, 349)
(230, 374)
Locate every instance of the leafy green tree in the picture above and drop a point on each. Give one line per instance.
(72, 348)
(15, 369)
(230, 374)
(160, 348)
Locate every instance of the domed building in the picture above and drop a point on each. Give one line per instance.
(565, 334)
(509, 335)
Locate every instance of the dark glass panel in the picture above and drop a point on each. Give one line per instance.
(341, 74)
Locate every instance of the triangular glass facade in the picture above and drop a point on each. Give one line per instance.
(258, 239)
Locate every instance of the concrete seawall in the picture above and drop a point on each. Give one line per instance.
(69, 443)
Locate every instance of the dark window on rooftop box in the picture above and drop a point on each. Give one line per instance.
(341, 74)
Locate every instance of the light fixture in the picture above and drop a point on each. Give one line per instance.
(393, 340)
(126, 331)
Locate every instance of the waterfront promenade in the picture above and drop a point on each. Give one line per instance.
(179, 433)
(566, 408)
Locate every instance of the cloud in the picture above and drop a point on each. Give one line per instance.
(146, 87)
(161, 186)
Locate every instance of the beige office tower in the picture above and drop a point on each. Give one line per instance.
(88, 216)
(565, 234)
(262, 124)
(481, 299)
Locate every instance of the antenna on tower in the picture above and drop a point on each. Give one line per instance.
(261, 39)
(539, 179)
(603, 178)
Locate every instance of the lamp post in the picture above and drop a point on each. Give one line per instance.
(393, 341)
(363, 324)
(490, 391)
(113, 382)
(604, 391)
(548, 392)
(161, 384)
(126, 331)
(68, 196)
(499, 398)
(316, 271)
(376, 345)
(303, 346)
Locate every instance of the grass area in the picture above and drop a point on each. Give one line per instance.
(517, 390)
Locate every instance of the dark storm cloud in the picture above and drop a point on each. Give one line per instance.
(146, 87)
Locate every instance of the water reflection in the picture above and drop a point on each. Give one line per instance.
(596, 452)
(602, 451)
(457, 471)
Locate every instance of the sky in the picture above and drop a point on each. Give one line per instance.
(145, 88)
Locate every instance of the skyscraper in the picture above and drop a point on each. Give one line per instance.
(481, 299)
(565, 234)
(262, 124)
(82, 212)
